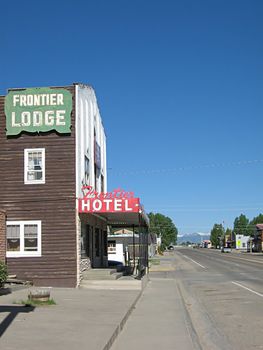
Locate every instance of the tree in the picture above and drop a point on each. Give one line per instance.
(217, 235)
(164, 227)
(241, 225)
(252, 225)
(257, 220)
(228, 232)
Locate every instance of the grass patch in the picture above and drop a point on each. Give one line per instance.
(30, 302)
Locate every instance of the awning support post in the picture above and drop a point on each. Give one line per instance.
(133, 241)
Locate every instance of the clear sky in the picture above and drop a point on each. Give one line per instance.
(179, 86)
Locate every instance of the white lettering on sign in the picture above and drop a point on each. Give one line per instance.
(13, 120)
(49, 118)
(53, 100)
(107, 202)
(117, 204)
(38, 100)
(61, 117)
(97, 205)
(23, 100)
(85, 206)
(37, 118)
(25, 118)
(30, 100)
(127, 208)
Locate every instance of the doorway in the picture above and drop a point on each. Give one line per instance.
(94, 244)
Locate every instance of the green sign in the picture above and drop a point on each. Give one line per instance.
(38, 110)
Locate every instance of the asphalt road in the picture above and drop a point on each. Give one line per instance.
(223, 296)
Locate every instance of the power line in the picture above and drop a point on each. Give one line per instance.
(186, 210)
(187, 168)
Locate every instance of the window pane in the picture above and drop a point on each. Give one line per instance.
(13, 237)
(30, 175)
(38, 175)
(38, 161)
(30, 237)
(13, 231)
(35, 166)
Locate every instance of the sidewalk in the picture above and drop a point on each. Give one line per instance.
(159, 320)
(81, 318)
(97, 318)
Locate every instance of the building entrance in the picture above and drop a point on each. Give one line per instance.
(94, 244)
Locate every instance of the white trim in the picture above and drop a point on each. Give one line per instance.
(34, 182)
(77, 219)
(76, 144)
(22, 253)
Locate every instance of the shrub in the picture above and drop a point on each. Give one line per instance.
(3, 273)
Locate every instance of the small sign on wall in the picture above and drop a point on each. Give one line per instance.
(38, 110)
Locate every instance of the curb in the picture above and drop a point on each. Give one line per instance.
(120, 326)
(162, 269)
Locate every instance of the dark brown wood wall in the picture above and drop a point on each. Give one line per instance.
(53, 202)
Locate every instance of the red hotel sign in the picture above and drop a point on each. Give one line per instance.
(117, 201)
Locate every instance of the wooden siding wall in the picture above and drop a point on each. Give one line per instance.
(53, 202)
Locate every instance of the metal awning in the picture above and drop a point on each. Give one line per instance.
(125, 219)
(118, 208)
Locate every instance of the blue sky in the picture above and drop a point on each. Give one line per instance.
(179, 85)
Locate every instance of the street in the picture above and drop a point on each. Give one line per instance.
(221, 298)
(223, 294)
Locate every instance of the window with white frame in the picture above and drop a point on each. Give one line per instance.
(23, 238)
(34, 164)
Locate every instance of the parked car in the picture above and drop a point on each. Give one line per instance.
(225, 250)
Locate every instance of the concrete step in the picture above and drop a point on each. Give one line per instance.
(112, 285)
(102, 274)
(102, 277)
(101, 271)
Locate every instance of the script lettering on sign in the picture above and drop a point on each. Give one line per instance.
(38, 110)
(108, 202)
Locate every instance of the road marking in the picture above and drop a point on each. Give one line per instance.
(250, 290)
(237, 257)
(194, 261)
(252, 260)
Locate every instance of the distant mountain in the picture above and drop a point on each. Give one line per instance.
(192, 238)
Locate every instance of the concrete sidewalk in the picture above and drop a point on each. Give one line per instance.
(159, 321)
(81, 318)
(94, 318)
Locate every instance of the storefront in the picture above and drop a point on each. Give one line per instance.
(121, 209)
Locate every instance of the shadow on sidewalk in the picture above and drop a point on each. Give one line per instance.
(5, 291)
(13, 312)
